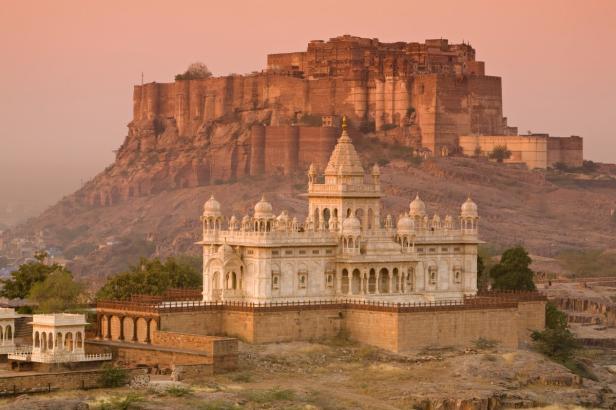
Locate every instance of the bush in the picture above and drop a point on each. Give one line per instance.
(113, 376)
(557, 344)
(178, 391)
(242, 377)
(483, 343)
(121, 403)
(500, 153)
(195, 71)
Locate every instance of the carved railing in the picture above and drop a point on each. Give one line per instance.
(484, 301)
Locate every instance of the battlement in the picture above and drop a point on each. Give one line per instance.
(364, 58)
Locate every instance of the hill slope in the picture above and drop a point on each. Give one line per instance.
(516, 206)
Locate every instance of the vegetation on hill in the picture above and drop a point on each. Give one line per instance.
(500, 153)
(21, 281)
(558, 343)
(195, 71)
(513, 272)
(151, 277)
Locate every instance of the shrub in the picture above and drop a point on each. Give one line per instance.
(557, 344)
(242, 377)
(113, 376)
(178, 391)
(127, 402)
(500, 153)
(483, 343)
(195, 71)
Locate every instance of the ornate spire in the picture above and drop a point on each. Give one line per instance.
(344, 159)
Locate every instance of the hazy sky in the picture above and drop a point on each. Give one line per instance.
(68, 67)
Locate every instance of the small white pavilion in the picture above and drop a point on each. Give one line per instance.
(7, 330)
(58, 338)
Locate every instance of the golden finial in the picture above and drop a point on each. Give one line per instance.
(344, 126)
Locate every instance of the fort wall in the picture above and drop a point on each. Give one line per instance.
(536, 151)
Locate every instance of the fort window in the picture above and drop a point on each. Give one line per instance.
(250, 252)
(315, 251)
(432, 250)
(288, 252)
(420, 249)
(444, 249)
(328, 251)
(276, 253)
(275, 280)
(302, 252)
(456, 249)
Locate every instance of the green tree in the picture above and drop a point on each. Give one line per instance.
(57, 293)
(554, 318)
(500, 153)
(21, 281)
(151, 277)
(513, 271)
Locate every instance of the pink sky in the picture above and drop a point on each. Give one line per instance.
(68, 67)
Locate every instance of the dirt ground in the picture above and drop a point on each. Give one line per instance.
(340, 375)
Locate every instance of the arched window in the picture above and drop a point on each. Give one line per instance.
(59, 340)
(79, 340)
(37, 339)
(326, 216)
(370, 218)
(432, 275)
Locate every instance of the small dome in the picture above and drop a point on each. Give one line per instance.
(405, 224)
(376, 170)
(312, 170)
(263, 209)
(417, 207)
(283, 217)
(211, 207)
(469, 209)
(351, 226)
(226, 252)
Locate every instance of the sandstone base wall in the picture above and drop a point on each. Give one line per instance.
(52, 381)
(388, 329)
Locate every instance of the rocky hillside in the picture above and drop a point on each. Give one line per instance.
(547, 212)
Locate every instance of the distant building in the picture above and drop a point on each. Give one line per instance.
(535, 150)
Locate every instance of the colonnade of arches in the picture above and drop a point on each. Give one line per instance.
(330, 219)
(62, 341)
(377, 281)
(126, 328)
(229, 281)
(7, 336)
